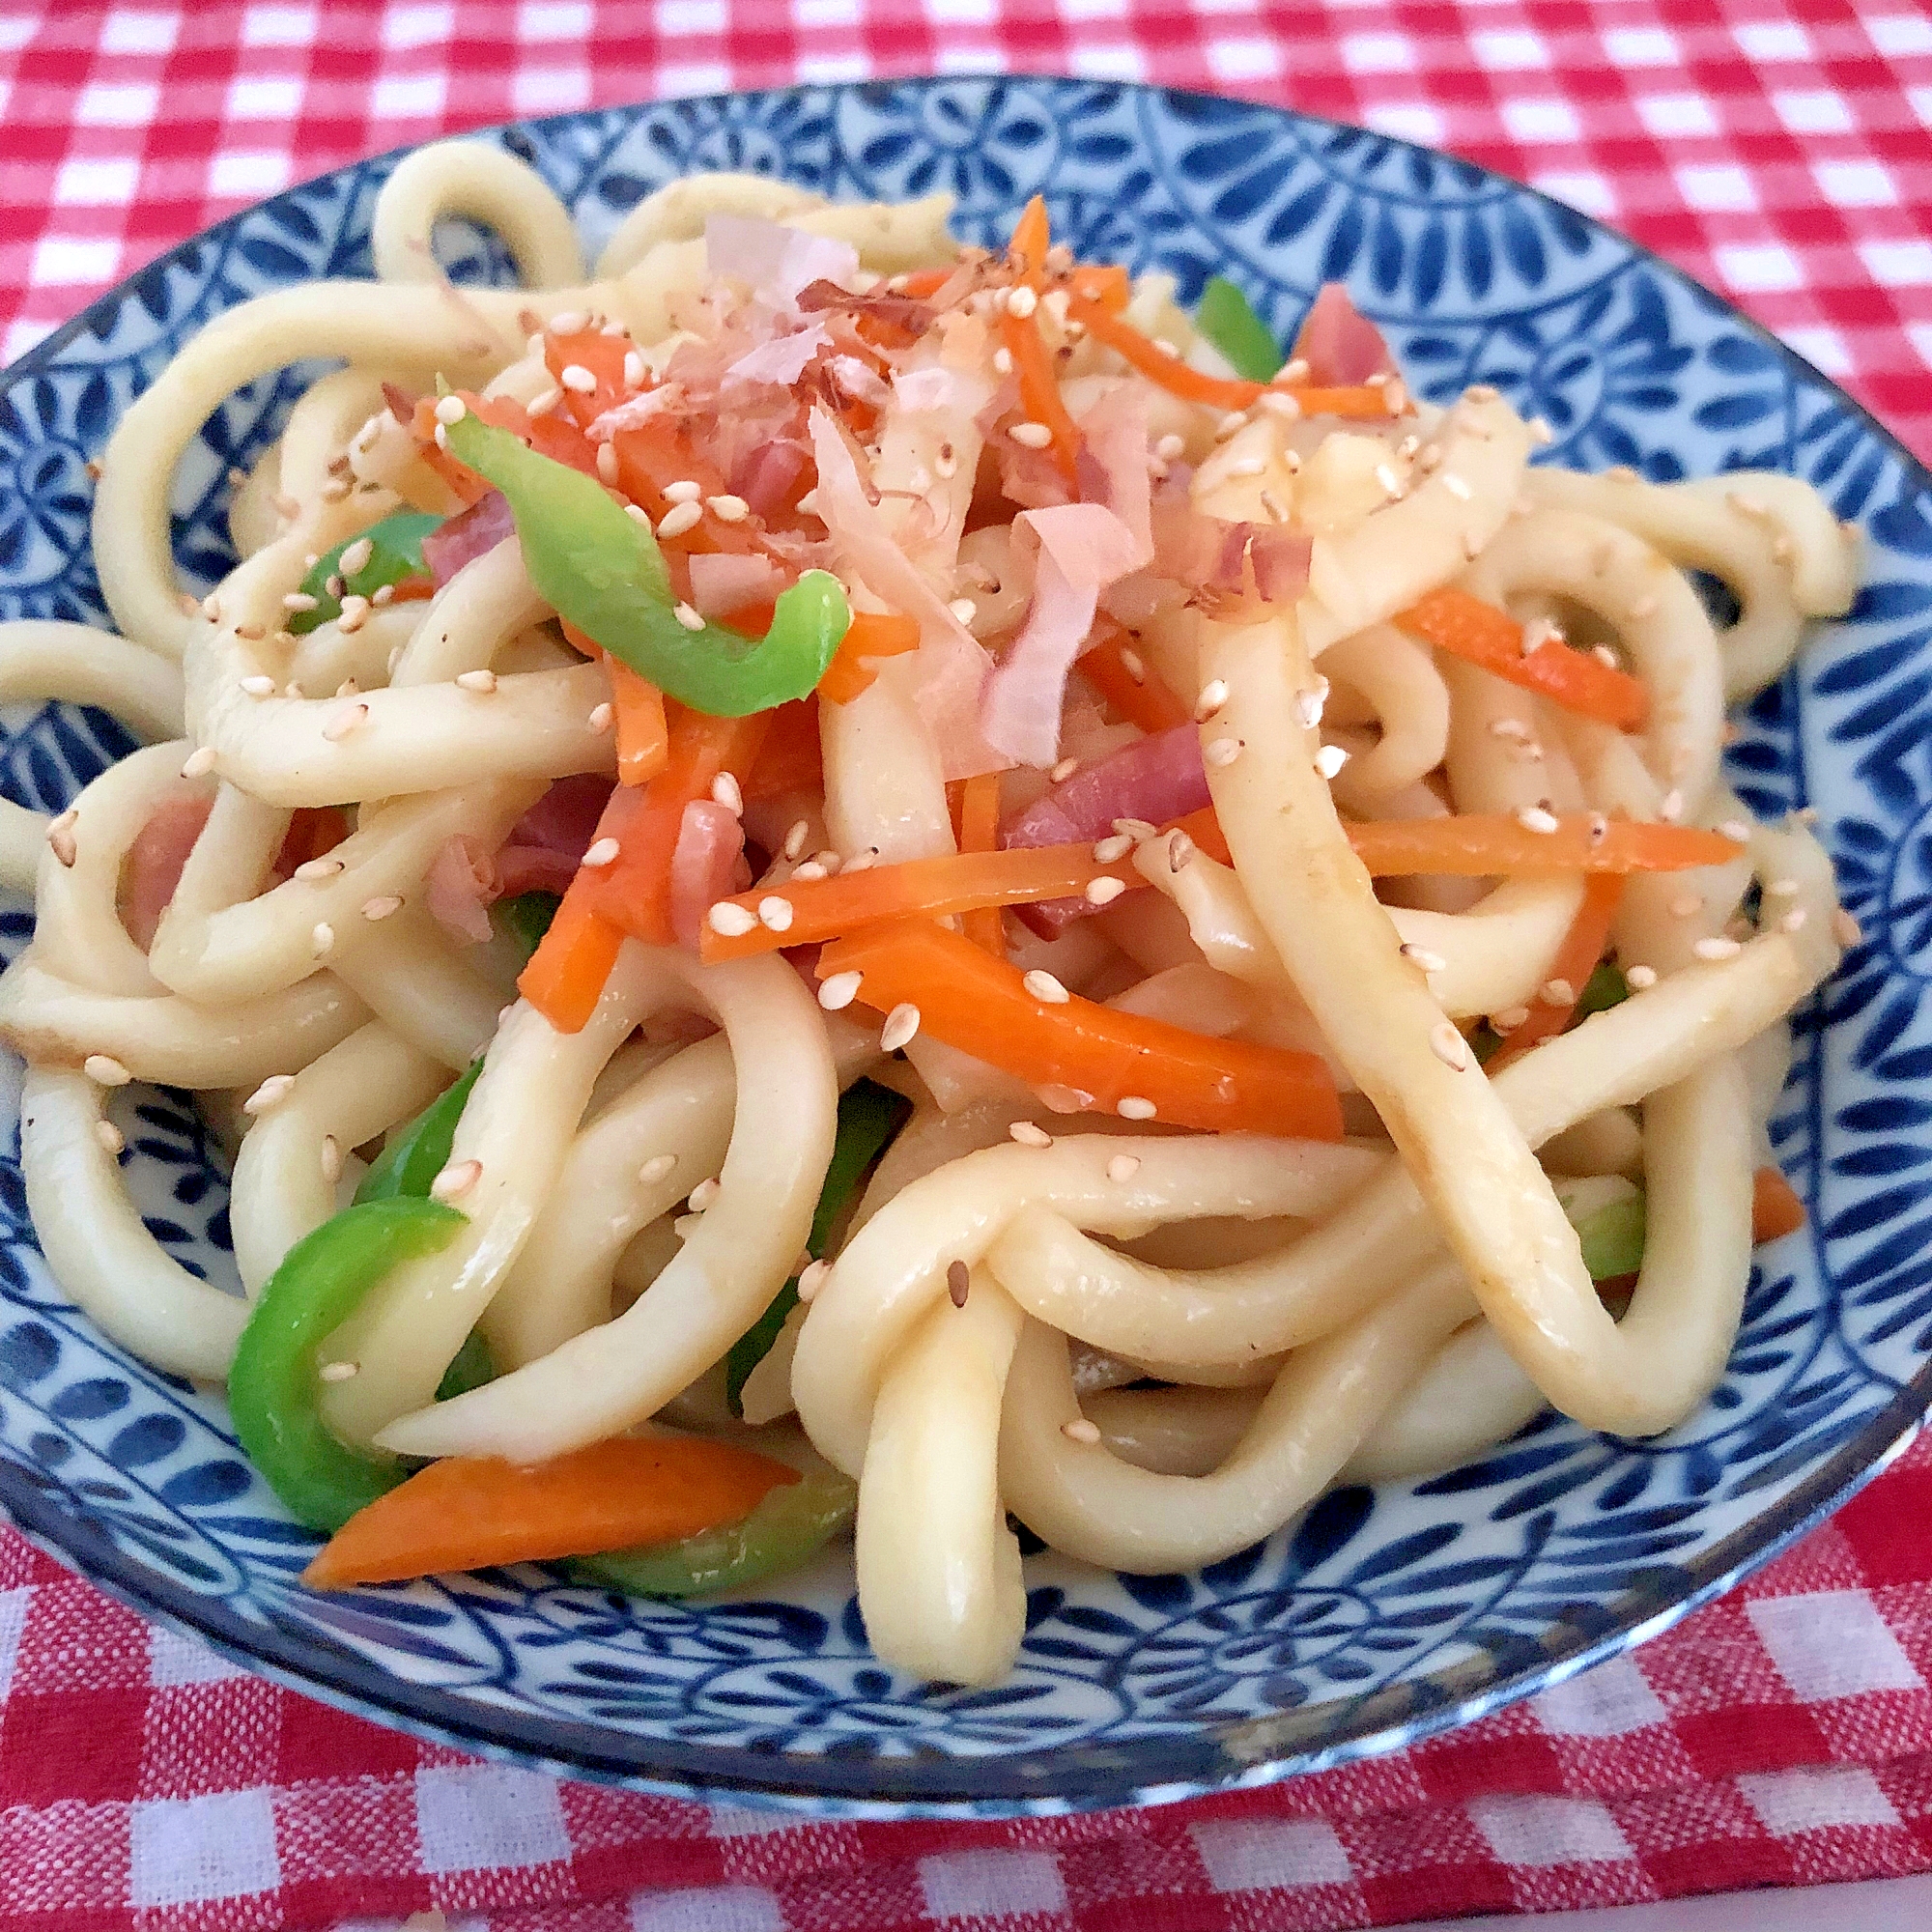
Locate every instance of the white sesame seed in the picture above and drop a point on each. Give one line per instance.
(1793, 920)
(1122, 1168)
(730, 920)
(838, 992)
(1736, 831)
(1104, 892)
(1021, 300)
(1276, 509)
(1214, 695)
(1716, 949)
(863, 861)
(1670, 807)
(1064, 770)
(729, 509)
(606, 463)
(1449, 1046)
(1307, 706)
(683, 491)
(901, 1024)
(727, 791)
(1231, 424)
(1845, 929)
(575, 377)
(1423, 959)
(812, 1279)
(1456, 486)
(794, 839)
(945, 465)
(198, 763)
(104, 1070)
(1640, 978)
(964, 609)
(338, 1372)
(689, 617)
(1605, 656)
(1506, 1019)
(1221, 752)
(683, 514)
(356, 558)
(1247, 465)
(259, 686)
(658, 1168)
(384, 905)
(457, 1180)
(321, 939)
(1003, 360)
(271, 1093)
(1276, 404)
(568, 322)
(703, 1196)
(110, 1137)
(1133, 663)
(331, 1159)
(484, 681)
(1135, 1107)
(1556, 993)
(775, 914)
(1534, 818)
(1541, 433)
(1029, 1133)
(602, 852)
(1045, 987)
(299, 600)
(1330, 760)
(601, 718)
(1745, 504)
(545, 404)
(1117, 845)
(634, 370)
(1180, 850)
(318, 868)
(345, 721)
(1031, 434)
(450, 411)
(1169, 446)
(1136, 829)
(1782, 889)
(1389, 483)
(1081, 1430)
(1537, 633)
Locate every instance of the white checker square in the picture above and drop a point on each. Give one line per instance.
(1509, 51)
(1855, 183)
(1408, 121)
(1723, 189)
(1255, 59)
(15, 31)
(829, 70)
(728, 1822)
(65, 261)
(13, 1603)
(1549, 1830)
(174, 1659)
(1375, 53)
(1815, 1797)
(1587, 193)
(685, 78)
(1899, 33)
(827, 13)
(1917, 333)
(729, 1908)
(960, 13)
(1832, 1643)
(1898, 265)
(1760, 269)
(1530, 121)
(1610, 1701)
(139, 33)
(1672, 114)
(1773, 39)
(103, 104)
(1268, 1854)
(474, 1817)
(1123, 61)
(249, 172)
(21, 336)
(983, 1885)
(96, 184)
(1824, 348)
(1813, 111)
(405, 27)
(278, 26)
(1093, 9)
(979, 58)
(554, 20)
(192, 1851)
(548, 90)
(1919, 99)
(406, 97)
(685, 17)
(263, 98)
(1640, 46)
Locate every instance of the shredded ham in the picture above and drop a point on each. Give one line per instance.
(777, 262)
(463, 538)
(152, 868)
(1083, 547)
(1155, 780)
(634, 411)
(461, 886)
(902, 314)
(777, 361)
(1113, 461)
(542, 852)
(705, 865)
(725, 582)
(1340, 345)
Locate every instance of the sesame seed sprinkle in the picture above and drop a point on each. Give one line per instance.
(259, 686)
(575, 377)
(730, 920)
(356, 558)
(683, 514)
(601, 718)
(1845, 929)
(1715, 947)
(1421, 958)
(703, 1196)
(688, 616)
(110, 1137)
(384, 905)
(331, 1159)
(683, 491)
(964, 610)
(1029, 1133)
(1456, 486)
(338, 1372)
(606, 463)
(1064, 770)
(1080, 1429)
(1793, 920)
(1222, 751)
(483, 681)
(1115, 846)
(775, 914)
(457, 1180)
(838, 992)
(321, 939)
(602, 852)
(1104, 892)
(794, 839)
(104, 1070)
(959, 1283)
(727, 792)
(901, 1025)
(729, 509)
(272, 1092)
(1122, 1168)
(1031, 434)
(1214, 695)
(345, 721)
(1736, 831)
(1135, 1107)
(1330, 760)
(657, 1169)
(198, 763)
(1044, 988)
(1449, 1046)
(450, 411)
(811, 1280)
(1556, 993)
(1534, 818)
(1640, 978)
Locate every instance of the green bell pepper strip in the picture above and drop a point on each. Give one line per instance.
(1226, 318)
(1612, 1238)
(471, 1369)
(785, 1528)
(395, 556)
(600, 569)
(272, 1385)
(421, 1150)
(525, 918)
(868, 1117)
(1604, 988)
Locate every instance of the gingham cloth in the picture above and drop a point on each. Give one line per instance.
(1783, 1736)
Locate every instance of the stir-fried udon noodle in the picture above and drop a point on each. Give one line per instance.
(1250, 850)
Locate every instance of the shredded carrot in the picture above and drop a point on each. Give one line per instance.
(1454, 621)
(924, 282)
(1477, 845)
(1776, 1210)
(1033, 363)
(873, 633)
(633, 892)
(468, 487)
(979, 832)
(471, 1512)
(1575, 960)
(1110, 1062)
(644, 739)
(1116, 670)
(1105, 282)
(1026, 252)
(789, 760)
(602, 358)
(564, 979)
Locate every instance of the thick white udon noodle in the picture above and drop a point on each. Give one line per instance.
(1426, 1295)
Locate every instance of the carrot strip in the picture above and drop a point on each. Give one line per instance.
(1112, 665)
(1575, 960)
(564, 979)
(602, 358)
(790, 759)
(1477, 845)
(1105, 282)
(1114, 1062)
(1454, 621)
(644, 739)
(923, 282)
(1776, 1210)
(979, 832)
(469, 1511)
(872, 634)
(1026, 252)
(633, 892)
(1033, 364)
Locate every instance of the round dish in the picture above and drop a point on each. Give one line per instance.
(1383, 1615)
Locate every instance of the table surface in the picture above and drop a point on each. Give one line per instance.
(1783, 1736)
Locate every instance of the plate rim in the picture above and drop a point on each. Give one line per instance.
(944, 1786)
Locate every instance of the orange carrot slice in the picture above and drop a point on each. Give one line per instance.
(872, 634)
(469, 1512)
(979, 832)
(1478, 844)
(789, 760)
(1575, 960)
(644, 739)
(564, 978)
(1776, 1210)
(1116, 670)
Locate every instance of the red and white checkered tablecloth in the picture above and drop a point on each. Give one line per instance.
(1777, 150)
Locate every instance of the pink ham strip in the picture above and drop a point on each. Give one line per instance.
(704, 865)
(1341, 346)
(463, 538)
(155, 861)
(460, 888)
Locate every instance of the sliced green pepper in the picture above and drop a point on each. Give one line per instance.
(525, 918)
(273, 1386)
(1228, 320)
(395, 556)
(600, 569)
(785, 1528)
(868, 1117)
(421, 1150)
(1612, 1238)
(1604, 988)
(471, 1369)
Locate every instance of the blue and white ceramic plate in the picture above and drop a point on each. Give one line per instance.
(1383, 1615)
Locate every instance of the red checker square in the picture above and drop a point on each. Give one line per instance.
(883, 1897)
(1752, 1737)
(65, 1867)
(1452, 1770)
(598, 1817)
(1733, 1865)
(1308, 1908)
(219, 1736)
(1885, 1525)
(1481, 1884)
(82, 1743)
(320, 1742)
(1588, 1885)
(359, 1832)
(78, 1640)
